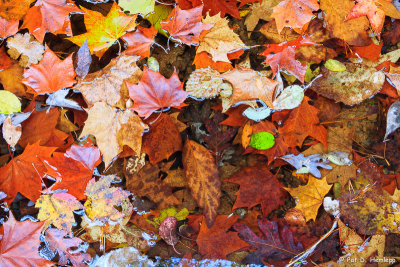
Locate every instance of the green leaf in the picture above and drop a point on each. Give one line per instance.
(334, 65)
(153, 64)
(9, 103)
(169, 212)
(262, 140)
(160, 13)
(143, 7)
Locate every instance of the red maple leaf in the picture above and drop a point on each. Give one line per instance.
(185, 25)
(23, 174)
(258, 186)
(216, 242)
(8, 27)
(140, 41)
(73, 169)
(20, 244)
(368, 8)
(49, 15)
(154, 91)
(284, 57)
(213, 6)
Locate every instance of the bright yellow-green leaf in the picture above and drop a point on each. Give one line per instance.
(143, 7)
(310, 74)
(289, 77)
(334, 65)
(153, 64)
(160, 13)
(103, 32)
(9, 103)
(169, 212)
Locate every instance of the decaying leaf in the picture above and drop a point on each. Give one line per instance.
(259, 11)
(123, 257)
(113, 129)
(204, 83)
(24, 47)
(310, 163)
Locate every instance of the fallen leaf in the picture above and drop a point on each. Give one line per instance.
(204, 60)
(216, 242)
(104, 31)
(204, 83)
(45, 77)
(311, 163)
(20, 244)
(14, 10)
(294, 13)
(113, 129)
(250, 85)
(154, 92)
(275, 243)
(310, 197)
(8, 27)
(9, 103)
(202, 175)
(214, 7)
(258, 186)
(259, 11)
(143, 7)
(107, 85)
(140, 41)
(49, 15)
(185, 25)
(11, 78)
(220, 40)
(25, 47)
(122, 257)
(11, 133)
(83, 60)
(64, 246)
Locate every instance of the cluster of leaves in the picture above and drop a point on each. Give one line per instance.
(212, 129)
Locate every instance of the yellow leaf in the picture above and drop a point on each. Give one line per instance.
(310, 197)
(103, 32)
(334, 65)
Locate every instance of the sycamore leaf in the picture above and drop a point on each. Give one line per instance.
(8, 27)
(216, 242)
(310, 197)
(57, 209)
(214, 7)
(140, 41)
(45, 77)
(249, 84)
(220, 39)
(258, 186)
(102, 198)
(185, 25)
(57, 241)
(24, 47)
(103, 32)
(49, 15)
(283, 57)
(143, 7)
(274, 243)
(203, 180)
(154, 91)
(14, 9)
(23, 173)
(20, 243)
(294, 13)
(113, 129)
(107, 85)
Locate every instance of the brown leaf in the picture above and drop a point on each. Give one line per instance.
(202, 175)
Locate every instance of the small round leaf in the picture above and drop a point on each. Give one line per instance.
(9, 103)
(262, 140)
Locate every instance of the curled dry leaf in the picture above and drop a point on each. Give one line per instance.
(220, 39)
(203, 180)
(350, 87)
(24, 47)
(107, 85)
(113, 129)
(204, 83)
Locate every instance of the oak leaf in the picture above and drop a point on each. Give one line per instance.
(140, 41)
(102, 198)
(45, 77)
(23, 173)
(107, 85)
(162, 140)
(258, 186)
(216, 242)
(185, 25)
(214, 7)
(147, 182)
(283, 57)
(113, 129)
(49, 15)
(154, 92)
(310, 197)
(14, 10)
(294, 13)
(104, 31)
(57, 209)
(57, 241)
(202, 175)
(275, 244)
(8, 27)
(302, 122)
(249, 84)
(20, 244)
(220, 39)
